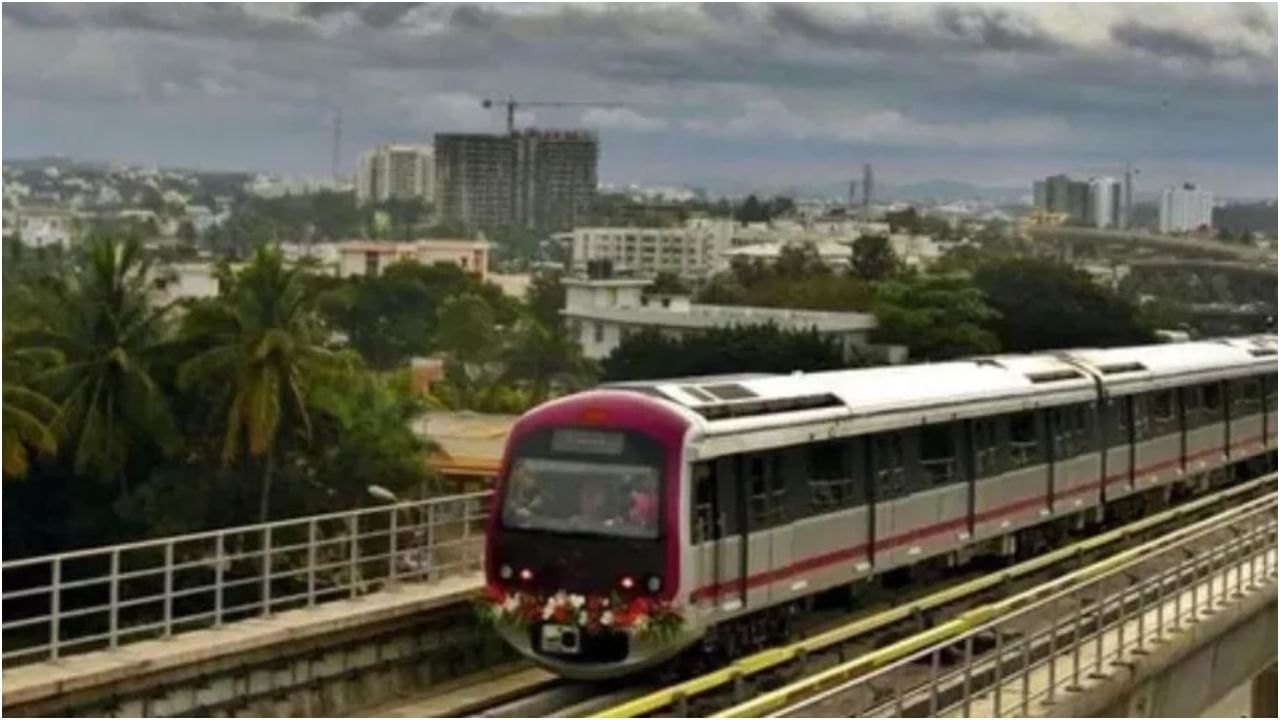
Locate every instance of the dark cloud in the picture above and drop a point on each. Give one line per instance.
(994, 29)
(1164, 42)
(862, 77)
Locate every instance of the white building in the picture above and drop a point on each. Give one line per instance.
(186, 281)
(1186, 208)
(396, 171)
(363, 257)
(602, 312)
(694, 250)
(833, 254)
(1104, 202)
(45, 228)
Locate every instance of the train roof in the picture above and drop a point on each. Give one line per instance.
(1131, 369)
(910, 394)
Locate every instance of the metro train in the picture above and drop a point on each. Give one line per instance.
(634, 520)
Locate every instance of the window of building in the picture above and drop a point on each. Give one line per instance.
(598, 331)
(371, 264)
(938, 454)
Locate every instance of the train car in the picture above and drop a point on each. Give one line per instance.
(633, 521)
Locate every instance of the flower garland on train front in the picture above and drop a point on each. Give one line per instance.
(637, 616)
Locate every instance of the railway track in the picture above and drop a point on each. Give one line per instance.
(831, 638)
(949, 671)
(771, 669)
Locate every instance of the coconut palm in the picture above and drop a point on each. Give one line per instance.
(28, 414)
(258, 348)
(103, 324)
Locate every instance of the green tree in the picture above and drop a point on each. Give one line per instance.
(907, 221)
(106, 328)
(259, 348)
(666, 283)
(936, 317)
(650, 354)
(544, 359)
(28, 415)
(873, 259)
(1046, 305)
(546, 297)
(466, 329)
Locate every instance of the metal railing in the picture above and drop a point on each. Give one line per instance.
(72, 602)
(1037, 651)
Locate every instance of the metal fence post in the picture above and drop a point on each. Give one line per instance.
(933, 683)
(266, 571)
(220, 554)
(168, 589)
(968, 671)
(311, 562)
(55, 606)
(393, 545)
(999, 673)
(1026, 674)
(354, 553)
(114, 600)
(1099, 618)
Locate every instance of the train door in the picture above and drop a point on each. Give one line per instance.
(1117, 439)
(719, 526)
(892, 524)
(769, 543)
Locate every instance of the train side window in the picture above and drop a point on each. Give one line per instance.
(888, 457)
(1024, 439)
(1211, 394)
(1142, 427)
(832, 484)
(1246, 396)
(938, 454)
(1162, 406)
(768, 490)
(704, 518)
(986, 447)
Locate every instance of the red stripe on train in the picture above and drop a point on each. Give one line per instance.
(845, 554)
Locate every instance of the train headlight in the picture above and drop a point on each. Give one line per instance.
(653, 584)
(627, 582)
(505, 572)
(526, 574)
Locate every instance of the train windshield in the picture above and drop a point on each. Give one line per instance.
(590, 483)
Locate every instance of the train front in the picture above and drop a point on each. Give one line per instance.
(582, 556)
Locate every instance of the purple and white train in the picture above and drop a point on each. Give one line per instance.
(758, 492)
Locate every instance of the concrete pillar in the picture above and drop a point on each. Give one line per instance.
(1263, 702)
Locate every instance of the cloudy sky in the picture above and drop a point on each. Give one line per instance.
(724, 96)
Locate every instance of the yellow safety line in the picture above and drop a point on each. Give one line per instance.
(974, 618)
(772, 657)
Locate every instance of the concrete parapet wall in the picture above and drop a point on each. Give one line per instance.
(328, 660)
(1188, 673)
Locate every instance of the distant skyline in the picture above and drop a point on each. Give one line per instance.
(727, 97)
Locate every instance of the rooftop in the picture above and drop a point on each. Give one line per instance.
(712, 316)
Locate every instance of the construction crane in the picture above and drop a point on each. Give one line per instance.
(511, 104)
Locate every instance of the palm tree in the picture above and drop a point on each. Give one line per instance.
(259, 347)
(104, 326)
(28, 415)
(545, 359)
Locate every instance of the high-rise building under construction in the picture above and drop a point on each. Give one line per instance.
(539, 179)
